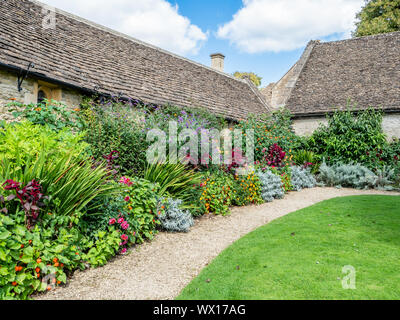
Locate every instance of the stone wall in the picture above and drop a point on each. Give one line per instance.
(9, 93)
(306, 126)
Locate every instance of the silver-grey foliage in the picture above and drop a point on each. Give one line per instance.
(302, 178)
(174, 219)
(354, 176)
(271, 186)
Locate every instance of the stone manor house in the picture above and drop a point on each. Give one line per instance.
(73, 57)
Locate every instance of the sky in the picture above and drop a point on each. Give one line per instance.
(262, 36)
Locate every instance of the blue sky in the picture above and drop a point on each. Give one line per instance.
(263, 36)
(208, 15)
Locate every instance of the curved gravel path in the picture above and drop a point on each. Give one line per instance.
(162, 268)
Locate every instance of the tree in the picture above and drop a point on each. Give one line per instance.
(378, 16)
(250, 75)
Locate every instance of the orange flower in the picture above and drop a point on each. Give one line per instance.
(55, 260)
(22, 246)
(37, 270)
(14, 283)
(38, 260)
(56, 264)
(38, 109)
(48, 288)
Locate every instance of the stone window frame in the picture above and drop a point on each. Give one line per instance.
(52, 91)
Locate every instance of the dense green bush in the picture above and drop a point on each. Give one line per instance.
(270, 129)
(143, 207)
(114, 127)
(23, 140)
(349, 137)
(174, 180)
(52, 113)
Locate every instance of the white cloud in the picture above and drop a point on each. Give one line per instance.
(283, 25)
(152, 21)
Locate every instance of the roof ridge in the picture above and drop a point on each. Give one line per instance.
(300, 64)
(258, 94)
(378, 35)
(128, 37)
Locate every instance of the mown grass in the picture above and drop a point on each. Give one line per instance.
(301, 255)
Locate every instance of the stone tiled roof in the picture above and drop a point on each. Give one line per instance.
(88, 56)
(364, 70)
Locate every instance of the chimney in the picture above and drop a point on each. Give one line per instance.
(217, 61)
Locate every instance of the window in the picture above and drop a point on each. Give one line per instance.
(41, 96)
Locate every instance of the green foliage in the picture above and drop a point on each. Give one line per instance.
(174, 219)
(115, 127)
(52, 113)
(349, 137)
(104, 248)
(378, 16)
(20, 141)
(270, 129)
(246, 190)
(28, 257)
(143, 206)
(249, 75)
(217, 193)
(174, 179)
(271, 186)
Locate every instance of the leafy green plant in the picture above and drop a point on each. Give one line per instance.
(350, 137)
(143, 206)
(174, 179)
(70, 184)
(20, 141)
(217, 193)
(247, 190)
(52, 113)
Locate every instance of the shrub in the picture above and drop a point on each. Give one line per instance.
(349, 138)
(217, 193)
(114, 127)
(52, 113)
(20, 141)
(247, 190)
(272, 129)
(143, 207)
(29, 257)
(174, 219)
(173, 179)
(302, 178)
(70, 184)
(271, 186)
(353, 175)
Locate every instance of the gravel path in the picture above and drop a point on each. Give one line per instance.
(162, 268)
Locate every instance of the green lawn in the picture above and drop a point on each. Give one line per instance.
(301, 255)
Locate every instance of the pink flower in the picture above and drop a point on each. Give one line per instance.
(124, 237)
(121, 220)
(127, 198)
(127, 181)
(124, 250)
(125, 225)
(112, 221)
